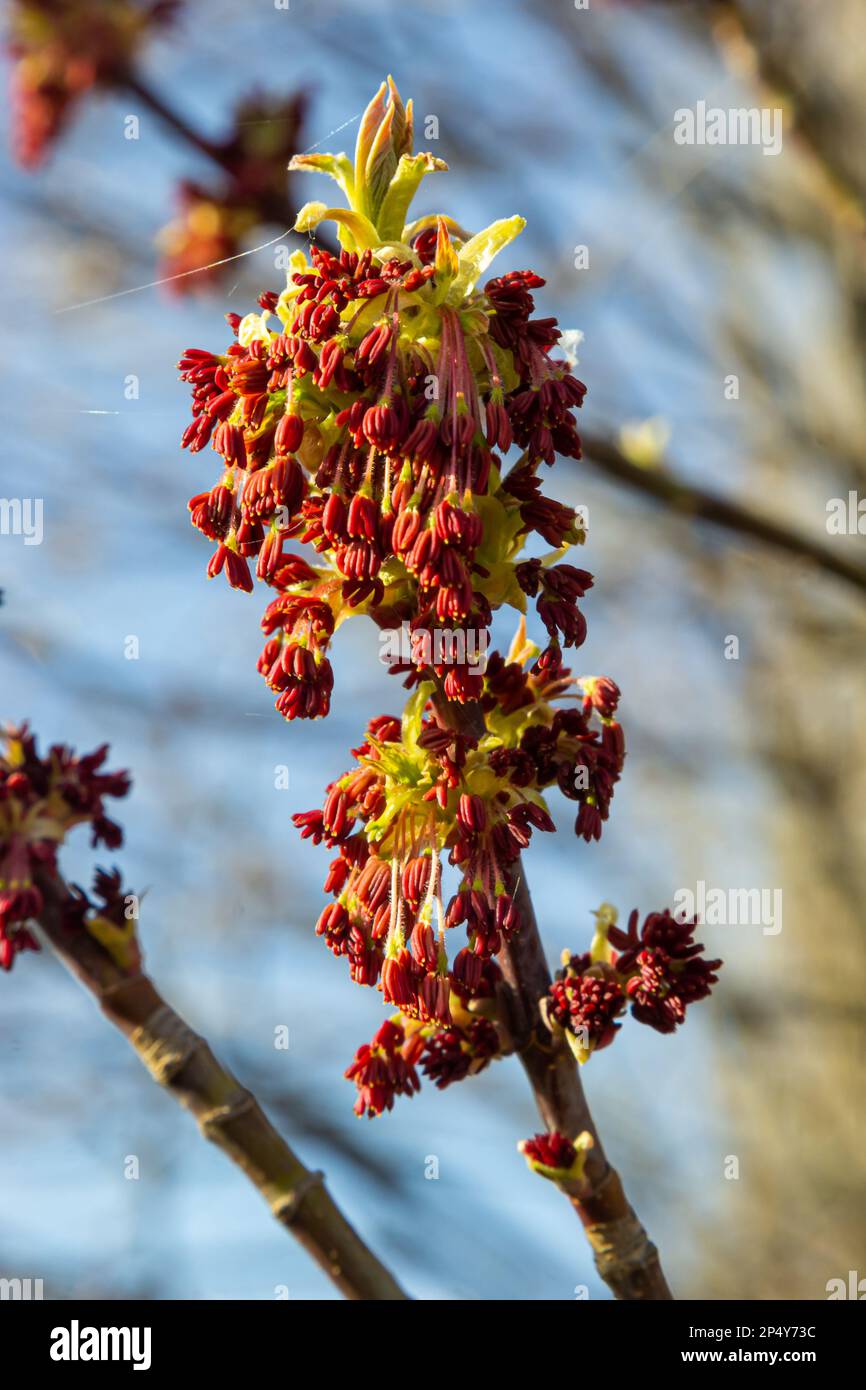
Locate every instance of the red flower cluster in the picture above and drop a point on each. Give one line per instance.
(658, 970)
(386, 882)
(419, 788)
(552, 1150)
(361, 413)
(584, 761)
(41, 799)
(60, 50)
(663, 968)
(387, 1067)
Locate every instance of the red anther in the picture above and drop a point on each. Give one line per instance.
(422, 944)
(397, 981)
(228, 440)
(406, 529)
(362, 519)
(305, 359)
(323, 321)
(288, 484)
(333, 920)
(421, 442)
(359, 560)
(289, 434)
(454, 602)
(236, 568)
(457, 910)
(372, 346)
(472, 813)
(335, 814)
(220, 407)
(425, 553)
(434, 999)
(451, 569)
(415, 878)
(498, 431)
(330, 364)
(334, 519)
(369, 289)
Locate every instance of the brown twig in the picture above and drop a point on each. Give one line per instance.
(227, 1113)
(624, 1255)
(135, 84)
(271, 207)
(699, 503)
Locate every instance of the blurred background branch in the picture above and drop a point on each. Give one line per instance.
(656, 481)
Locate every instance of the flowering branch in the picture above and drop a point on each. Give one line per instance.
(41, 800)
(367, 412)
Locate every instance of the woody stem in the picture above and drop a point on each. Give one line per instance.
(271, 206)
(227, 1113)
(625, 1257)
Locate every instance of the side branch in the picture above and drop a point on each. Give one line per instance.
(227, 1113)
(625, 1257)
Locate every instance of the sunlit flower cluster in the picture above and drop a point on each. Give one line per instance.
(390, 409)
(367, 411)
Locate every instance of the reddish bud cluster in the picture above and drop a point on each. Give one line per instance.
(658, 970)
(386, 1067)
(40, 800)
(585, 999)
(60, 50)
(553, 1150)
